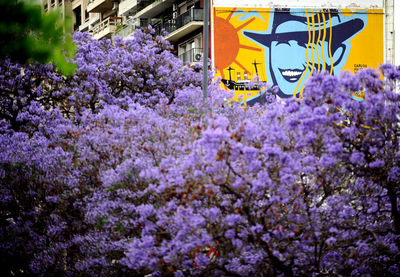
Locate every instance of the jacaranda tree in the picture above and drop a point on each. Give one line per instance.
(122, 169)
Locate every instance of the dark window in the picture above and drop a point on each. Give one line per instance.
(86, 15)
(78, 17)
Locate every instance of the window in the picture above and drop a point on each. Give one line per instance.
(190, 50)
(78, 17)
(86, 15)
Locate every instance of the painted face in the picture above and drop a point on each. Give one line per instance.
(298, 43)
(292, 62)
(288, 64)
(299, 51)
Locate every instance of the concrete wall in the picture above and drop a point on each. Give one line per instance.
(389, 32)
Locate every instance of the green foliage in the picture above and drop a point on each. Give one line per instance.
(100, 222)
(28, 35)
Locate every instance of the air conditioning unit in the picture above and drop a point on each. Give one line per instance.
(197, 57)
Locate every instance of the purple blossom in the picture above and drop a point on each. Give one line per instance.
(357, 158)
(124, 169)
(377, 164)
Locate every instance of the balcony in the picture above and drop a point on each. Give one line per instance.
(100, 6)
(191, 56)
(177, 27)
(127, 7)
(106, 28)
(184, 24)
(90, 22)
(128, 27)
(132, 24)
(151, 8)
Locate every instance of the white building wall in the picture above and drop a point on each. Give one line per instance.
(389, 32)
(358, 4)
(397, 32)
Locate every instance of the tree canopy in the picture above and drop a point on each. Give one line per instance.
(123, 169)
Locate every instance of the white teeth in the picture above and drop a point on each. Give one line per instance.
(291, 73)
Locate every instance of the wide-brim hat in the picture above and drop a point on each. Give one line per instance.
(293, 25)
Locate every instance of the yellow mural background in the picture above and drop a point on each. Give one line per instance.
(367, 46)
(366, 50)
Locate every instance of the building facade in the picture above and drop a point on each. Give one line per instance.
(242, 32)
(181, 19)
(83, 20)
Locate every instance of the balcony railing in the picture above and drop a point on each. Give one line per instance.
(106, 27)
(193, 55)
(132, 24)
(159, 25)
(183, 19)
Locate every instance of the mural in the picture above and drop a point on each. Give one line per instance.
(284, 47)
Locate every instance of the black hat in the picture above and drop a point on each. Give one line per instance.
(293, 25)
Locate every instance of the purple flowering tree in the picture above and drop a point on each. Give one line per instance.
(139, 69)
(152, 180)
(28, 95)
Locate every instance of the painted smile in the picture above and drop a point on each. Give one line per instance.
(291, 75)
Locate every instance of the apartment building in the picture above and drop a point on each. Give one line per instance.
(106, 12)
(181, 19)
(63, 5)
(96, 22)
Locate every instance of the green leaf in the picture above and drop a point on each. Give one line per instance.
(27, 35)
(100, 222)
